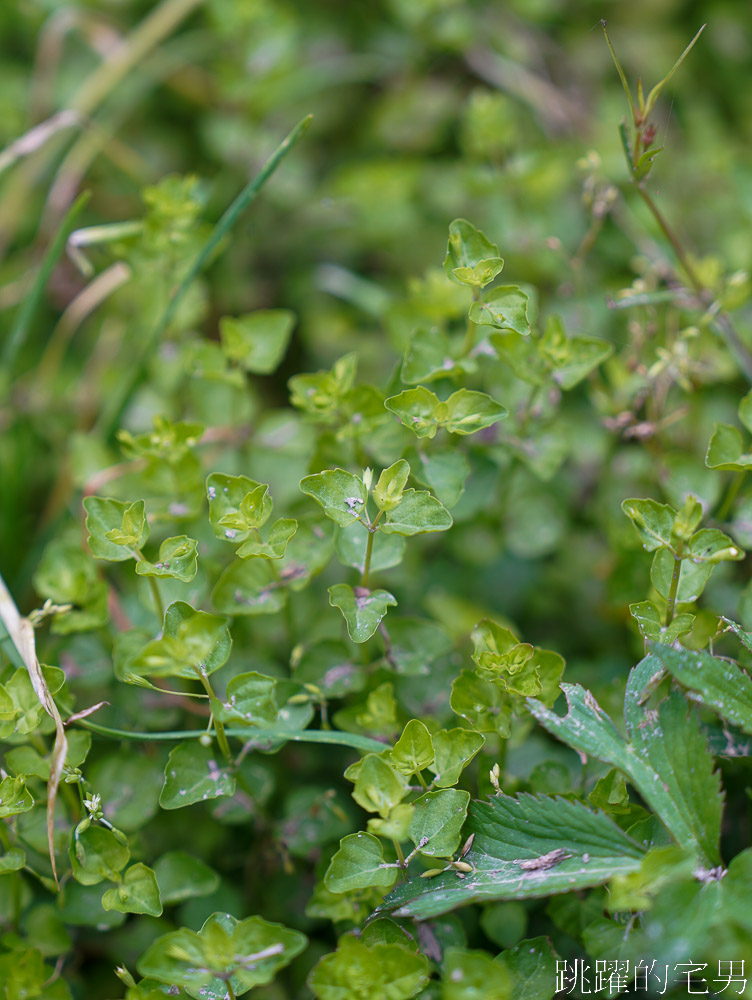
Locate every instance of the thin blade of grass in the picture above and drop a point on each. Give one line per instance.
(18, 633)
(20, 329)
(111, 414)
(620, 71)
(656, 91)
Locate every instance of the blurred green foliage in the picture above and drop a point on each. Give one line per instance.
(326, 300)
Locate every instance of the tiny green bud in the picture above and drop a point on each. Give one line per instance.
(494, 775)
(367, 478)
(391, 484)
(205, 740)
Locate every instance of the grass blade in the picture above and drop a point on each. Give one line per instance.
(20, 329)
(111, 414)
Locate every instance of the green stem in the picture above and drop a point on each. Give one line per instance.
(333, 737)
(372, 529)
(224, 746)
(469, 342)
(723, 323)
(367, 563)
(421, 779)
(155, 594)
(400, 859)
(230, 991)
(731, 494)
(674, 588)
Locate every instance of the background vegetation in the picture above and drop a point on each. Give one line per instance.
(424, 111)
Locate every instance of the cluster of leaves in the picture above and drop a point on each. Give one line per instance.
(311, 754)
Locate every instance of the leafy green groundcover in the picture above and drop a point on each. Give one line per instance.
(286, 735)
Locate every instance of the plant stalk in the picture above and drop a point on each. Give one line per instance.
(333, 737)
(673, 589)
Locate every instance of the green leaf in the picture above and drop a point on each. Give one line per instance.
(97, 854)
(192, 643)
(522, 354)
(129, 784)
(654, 522)
(275, 547)
(571, 359)
(307, 554)
(66, 575)
(416, 513)
(648, 619)
(26, 760)
(453, 749)
(503, 307)
(178, 559)
(320, 393)
(523, 848)
(437, 821)
(258, 340)
(361, 608)
(330, 667)
(667, 760)
(351, 543)
(358, 864)
(396, 826)
(15, 797)
(251, 700)
(532, 966)
(471, 258)
(688, 518)
(610, 794)
(356, 972)
(182, 876)
(445, 471)
(342, 495)
(237, 505)
(709, 545)
(468, 975)
(413, 751)
(413, 644)
(692, 576)
(378, 786)
(115, 527)
(132, 528)
(468, 411)
(249, 587)
(137, 893)
(498, 650)
(377, 715)
(659, 868)
(428, 356)
(168, 440)
(243, 954)
(23, 974)
(726, 450)
(719, 684)
(12, 860)
(388, 491)
(415, 409)
(485, 704)
(192, 775)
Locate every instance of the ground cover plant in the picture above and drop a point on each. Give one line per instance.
(375, 502)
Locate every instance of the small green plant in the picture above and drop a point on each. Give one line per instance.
(278, 719)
